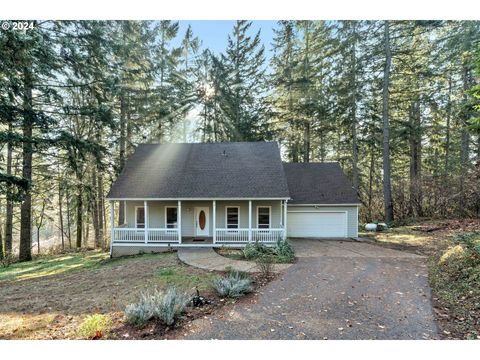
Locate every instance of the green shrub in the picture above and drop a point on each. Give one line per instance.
(284, 251)
(265, 264)
(254, 250)
(235, 285)
(95, 327)
(166, 306)
(471, 240)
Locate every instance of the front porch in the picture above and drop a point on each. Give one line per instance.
(201, 223)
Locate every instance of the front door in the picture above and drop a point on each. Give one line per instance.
(201, 221)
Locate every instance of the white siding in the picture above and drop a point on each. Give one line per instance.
(156, 212)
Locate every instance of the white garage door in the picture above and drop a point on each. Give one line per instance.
(317, 224)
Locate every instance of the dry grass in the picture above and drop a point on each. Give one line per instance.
(420, 239)
(50, 297)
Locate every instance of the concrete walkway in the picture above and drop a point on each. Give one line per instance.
(208, 259)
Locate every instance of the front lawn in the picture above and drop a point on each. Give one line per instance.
(52, 296)
(49, 265)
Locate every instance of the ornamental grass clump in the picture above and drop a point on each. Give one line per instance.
(172, 305)
(235, 285)
(167, 306)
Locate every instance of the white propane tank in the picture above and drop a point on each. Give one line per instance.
(371, 227)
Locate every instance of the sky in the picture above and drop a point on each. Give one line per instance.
(214, 33)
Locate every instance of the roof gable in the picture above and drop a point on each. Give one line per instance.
(202, 170)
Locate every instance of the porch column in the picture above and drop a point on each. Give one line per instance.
(145, 206)
(285, 218)
(214, 221)
(179, 221)
(112, 224)
(281, 213)
(124, 212)
(249, 220)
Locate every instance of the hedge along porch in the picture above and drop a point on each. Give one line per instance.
(157, 223)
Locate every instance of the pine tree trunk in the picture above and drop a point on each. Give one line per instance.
(353, 111)
(370, 184)
(38, 240)
(122, 145)
(1, 236)
(79, 214)
(465, 143)
(415, 142)
(322, 146)
(26, 207)
(69, 222)
(60, 214)
(387, 188)
(95, 205)
(9, 206)
(306, 144)
(101, 213)
(86, 232)
(447, 130)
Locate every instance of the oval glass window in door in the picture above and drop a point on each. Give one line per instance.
(201, 219)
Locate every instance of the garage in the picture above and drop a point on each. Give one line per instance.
(317, 224)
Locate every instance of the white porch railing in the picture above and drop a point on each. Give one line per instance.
(232, 235)
(241, 235)
(267, 235)
(134, 235)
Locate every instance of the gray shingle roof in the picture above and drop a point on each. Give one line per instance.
(319, 183)
(205, 170)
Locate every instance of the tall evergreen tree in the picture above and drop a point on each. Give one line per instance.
(241, 86)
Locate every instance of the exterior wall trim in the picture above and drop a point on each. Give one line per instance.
(355, 204)
(198, 199)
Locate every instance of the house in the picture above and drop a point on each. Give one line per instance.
(226, 194)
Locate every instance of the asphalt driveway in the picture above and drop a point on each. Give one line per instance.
(336, 290)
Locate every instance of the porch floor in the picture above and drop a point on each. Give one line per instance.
(197, 240)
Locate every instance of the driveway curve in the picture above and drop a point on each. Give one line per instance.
(336, 290)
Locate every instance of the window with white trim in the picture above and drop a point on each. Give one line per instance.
(263, 217)
(140, 217)
(171, 217)
(232, 217)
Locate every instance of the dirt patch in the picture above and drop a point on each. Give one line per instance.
(51, 307)
(156, 330)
